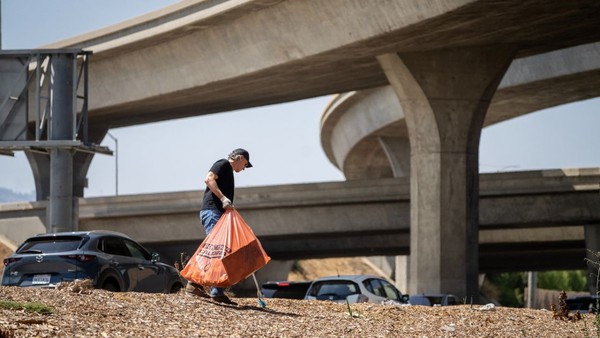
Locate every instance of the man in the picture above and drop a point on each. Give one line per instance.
(218, 196)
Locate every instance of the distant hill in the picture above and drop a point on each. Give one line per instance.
(7, 196)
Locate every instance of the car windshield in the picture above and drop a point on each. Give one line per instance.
(51, 244)
(339, 289)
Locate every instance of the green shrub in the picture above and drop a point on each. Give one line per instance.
(35, 307)
(567, 280)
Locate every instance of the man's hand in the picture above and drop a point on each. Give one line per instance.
(226, 202)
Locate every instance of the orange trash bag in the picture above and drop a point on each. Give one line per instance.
(229, 254)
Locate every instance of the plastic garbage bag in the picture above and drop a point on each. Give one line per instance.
(229, 254)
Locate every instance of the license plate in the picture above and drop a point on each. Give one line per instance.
(41, 279)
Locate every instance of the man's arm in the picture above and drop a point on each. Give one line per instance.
(211, 183)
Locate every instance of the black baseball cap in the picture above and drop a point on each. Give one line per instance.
(244, 152)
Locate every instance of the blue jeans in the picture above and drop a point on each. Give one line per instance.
(209, 218)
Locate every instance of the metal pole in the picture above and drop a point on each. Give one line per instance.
(116, 162)
(61, 205)
(0, 24)
(37, 103)
(84, 109)
(532, 286)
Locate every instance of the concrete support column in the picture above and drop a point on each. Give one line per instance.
(445, 95)
(592, 246)
(81, 166)
(62, 204)
(402, 270)
(397, 150)
(40, 167)
(531, 289)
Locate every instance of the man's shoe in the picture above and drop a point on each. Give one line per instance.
(196, 290)
(223, 299)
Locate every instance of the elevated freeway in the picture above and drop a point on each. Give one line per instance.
(371, 124)
(188, 59)
(199, 57)
(528, 220)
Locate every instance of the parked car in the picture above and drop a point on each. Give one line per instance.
(583, 304)
(355, 289)
(112, 260)
(285, 289)
(437, 299)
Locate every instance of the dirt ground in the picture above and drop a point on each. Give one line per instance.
(80, 311)
(77, 311)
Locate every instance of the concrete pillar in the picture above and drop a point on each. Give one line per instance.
(81, 166)
(40, 167)
(531, 289)
(592, 246)
(401, 273)
(397, 151)
(445, 95)
(62, 211)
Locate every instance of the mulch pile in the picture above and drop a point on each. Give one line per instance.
(79, 311)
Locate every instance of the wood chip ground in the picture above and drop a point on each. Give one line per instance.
(82, 312)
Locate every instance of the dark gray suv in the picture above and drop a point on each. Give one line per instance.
(112, 260)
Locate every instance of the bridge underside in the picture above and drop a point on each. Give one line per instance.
(543, 228)
(495, 257)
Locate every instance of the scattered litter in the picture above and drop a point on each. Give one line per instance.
(391, 302)
(449, 328)
(84, 286)
(487, 307)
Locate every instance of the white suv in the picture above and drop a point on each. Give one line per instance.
(355, 289)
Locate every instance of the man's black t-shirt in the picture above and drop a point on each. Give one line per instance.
(225, 182)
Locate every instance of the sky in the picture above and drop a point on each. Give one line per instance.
(283, 139)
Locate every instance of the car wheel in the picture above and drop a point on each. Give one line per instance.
(110, 286)
(175, 288)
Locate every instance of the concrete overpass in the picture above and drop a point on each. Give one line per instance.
(444, 60)
(542, 229)
(370, 124)
(268, 51)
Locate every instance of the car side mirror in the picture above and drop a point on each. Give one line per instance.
(405, 298)
(155, 257)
